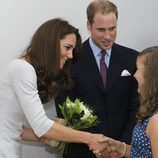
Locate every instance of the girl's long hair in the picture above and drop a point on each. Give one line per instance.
(149, 96)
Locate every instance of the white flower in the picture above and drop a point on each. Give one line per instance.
(86, 112)
(72, 104)
(68, 105)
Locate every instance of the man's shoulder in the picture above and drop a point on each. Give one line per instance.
(86, 48)
(86, 43)
(124, 49)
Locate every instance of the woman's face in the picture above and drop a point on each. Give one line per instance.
(67, 44)
(139, 75)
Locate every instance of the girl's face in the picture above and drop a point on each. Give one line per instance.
(67, 44)
(139, 75)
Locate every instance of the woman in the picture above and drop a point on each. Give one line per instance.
(145, 134)
(33, 79)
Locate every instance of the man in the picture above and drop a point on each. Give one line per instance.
(114, 98)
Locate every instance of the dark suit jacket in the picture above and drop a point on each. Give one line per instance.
(116, 106)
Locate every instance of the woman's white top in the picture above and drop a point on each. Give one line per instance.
(19, 103)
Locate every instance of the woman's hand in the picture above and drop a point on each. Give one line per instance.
(97, 145)
(115, 148)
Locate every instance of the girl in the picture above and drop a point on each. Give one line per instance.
(145, 134)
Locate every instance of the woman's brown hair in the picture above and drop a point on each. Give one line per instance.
(43, 53)
(149, 96)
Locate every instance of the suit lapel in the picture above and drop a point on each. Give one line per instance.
(114, 67)
(90, 66)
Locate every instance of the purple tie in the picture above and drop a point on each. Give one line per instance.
(103, 67)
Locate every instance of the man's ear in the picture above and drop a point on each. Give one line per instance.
(89, 26)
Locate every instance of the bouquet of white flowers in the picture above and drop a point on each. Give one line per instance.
(78, 116)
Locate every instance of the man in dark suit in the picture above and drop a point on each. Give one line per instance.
(115, 103)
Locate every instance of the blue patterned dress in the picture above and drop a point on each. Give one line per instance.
(140, 145)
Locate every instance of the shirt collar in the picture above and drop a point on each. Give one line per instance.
(96, 50)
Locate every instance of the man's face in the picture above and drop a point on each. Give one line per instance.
(103, 30)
